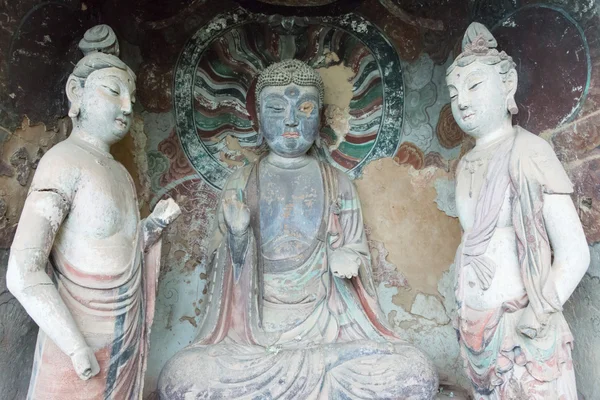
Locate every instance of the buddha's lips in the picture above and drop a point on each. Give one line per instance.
(291, 135)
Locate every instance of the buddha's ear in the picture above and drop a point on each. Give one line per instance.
(511, 84)
(74, 91)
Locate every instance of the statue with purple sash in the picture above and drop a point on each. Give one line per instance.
(523, 249)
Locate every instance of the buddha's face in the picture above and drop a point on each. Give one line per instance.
(478, 96)
(105, 104)
(289, 118)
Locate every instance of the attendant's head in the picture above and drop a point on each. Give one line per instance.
(101, 91)
(482, 84)
(289, 99)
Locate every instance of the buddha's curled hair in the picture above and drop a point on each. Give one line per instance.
(289, 71)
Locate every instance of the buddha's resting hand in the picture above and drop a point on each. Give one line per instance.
(236, 215)
(85, 363)
(344, 263)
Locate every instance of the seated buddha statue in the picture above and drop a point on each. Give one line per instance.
(292, 310)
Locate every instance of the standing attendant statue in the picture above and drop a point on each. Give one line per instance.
(82, 263)
(292, 309)
(523, 250)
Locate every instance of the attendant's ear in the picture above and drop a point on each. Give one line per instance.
(74, 91)
(511, 83)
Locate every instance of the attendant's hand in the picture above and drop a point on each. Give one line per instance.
(85, 363)
(165, 212)
(530, 326)
(237, 216)
(344, 263)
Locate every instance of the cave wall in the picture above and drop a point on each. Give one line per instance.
(405, 178)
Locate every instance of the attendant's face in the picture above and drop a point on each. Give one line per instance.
(478, 97)
(289, 118)
(105, 104)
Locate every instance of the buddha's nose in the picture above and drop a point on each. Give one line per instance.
(291, 120)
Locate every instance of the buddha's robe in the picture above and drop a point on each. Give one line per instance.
(290, 329)
(500, 361)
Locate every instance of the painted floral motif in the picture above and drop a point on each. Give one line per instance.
(448, 132)
(435, 159)
(410, 154)
(179, 166)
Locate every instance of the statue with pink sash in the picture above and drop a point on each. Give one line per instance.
(523, 249)
(82, 263)
(292, 310)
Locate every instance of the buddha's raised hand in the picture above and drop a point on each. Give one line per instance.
(237, 216)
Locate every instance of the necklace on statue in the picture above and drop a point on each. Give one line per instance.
(471, 166)
(483, 154)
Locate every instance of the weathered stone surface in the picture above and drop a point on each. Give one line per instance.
(39, 57)
(15, 149)
(405, 37)
(429, 307)
(20, 160)
(446, 196)
(399, 208)
(18, 334)
(581, 312)
(155, 86)
(585, 175)
(549, 93)
(575, 140)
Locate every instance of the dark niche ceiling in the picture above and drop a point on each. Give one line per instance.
(299, 3)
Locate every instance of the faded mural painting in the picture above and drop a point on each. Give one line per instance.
(387, 122)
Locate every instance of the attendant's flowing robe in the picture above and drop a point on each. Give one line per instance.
(115, 323)
(500, 361)
(113, 312)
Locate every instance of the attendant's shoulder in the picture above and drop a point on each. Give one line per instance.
(530, 145)
(536, 159)
(59, 169)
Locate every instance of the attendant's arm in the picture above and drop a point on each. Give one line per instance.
(28, 281)
(165, 212)
(571, 252)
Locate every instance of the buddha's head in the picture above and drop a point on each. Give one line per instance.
(482, 84)
(101, 91)
(289, 99)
